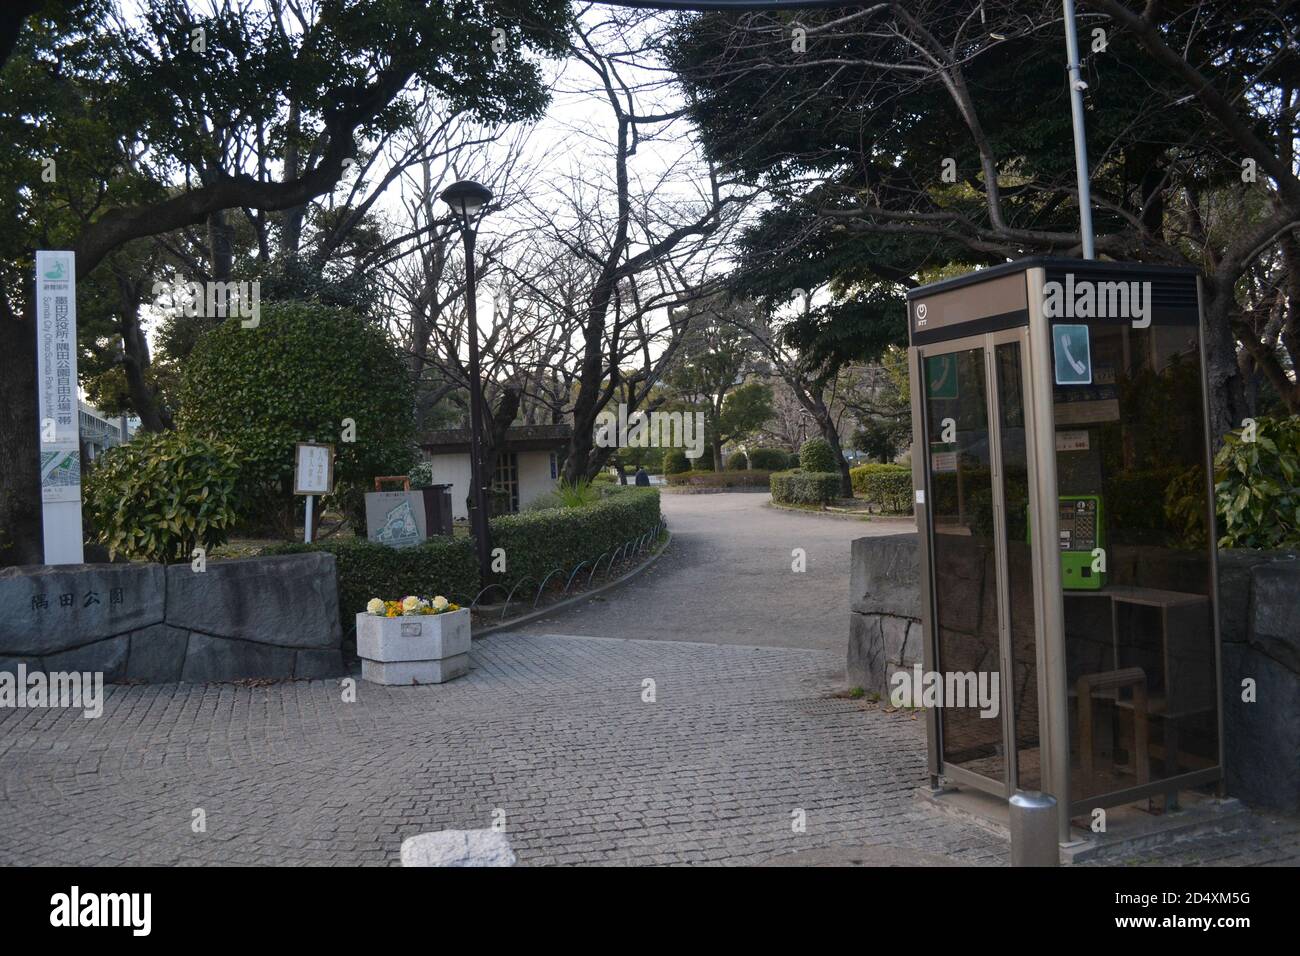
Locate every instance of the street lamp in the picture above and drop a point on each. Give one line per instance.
(468, 200)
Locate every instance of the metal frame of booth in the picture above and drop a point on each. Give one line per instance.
(987, 309)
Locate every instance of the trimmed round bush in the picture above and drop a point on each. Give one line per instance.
(792, 460)
(738, 461)
(816, 455)
(768, 459)
(676, 462)
(160, 496)
(307, 372)
(703, 463)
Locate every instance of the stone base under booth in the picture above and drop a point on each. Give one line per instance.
(272, 617)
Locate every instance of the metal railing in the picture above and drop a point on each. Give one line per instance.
(637, 545)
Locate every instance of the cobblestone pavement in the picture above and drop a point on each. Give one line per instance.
(551, 730)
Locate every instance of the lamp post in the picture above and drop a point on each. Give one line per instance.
(467, 200)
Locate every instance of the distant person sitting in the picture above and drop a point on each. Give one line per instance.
(641, 479)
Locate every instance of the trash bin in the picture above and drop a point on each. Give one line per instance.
(437, 509)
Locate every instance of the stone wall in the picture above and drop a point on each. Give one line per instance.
(1259, 622)
(274, 617)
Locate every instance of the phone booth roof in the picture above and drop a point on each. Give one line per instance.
(995, 298)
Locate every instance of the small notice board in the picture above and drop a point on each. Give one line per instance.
(313, 469)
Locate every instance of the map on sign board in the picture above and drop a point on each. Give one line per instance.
(60, 471)
(313, 472)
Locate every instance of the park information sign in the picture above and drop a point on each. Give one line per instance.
(56, 388)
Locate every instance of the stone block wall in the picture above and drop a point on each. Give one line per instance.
(1259, 623)
(275, 617)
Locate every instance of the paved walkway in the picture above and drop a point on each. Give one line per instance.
(727, 579)
(555, 736)
(553, 731)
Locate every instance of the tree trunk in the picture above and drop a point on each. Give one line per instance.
(1226, 394)
(21, 540)
(832, 436)
(154, 416)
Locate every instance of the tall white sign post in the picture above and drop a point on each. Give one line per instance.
(313, 474)
(56, 388)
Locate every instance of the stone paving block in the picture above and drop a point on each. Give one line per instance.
(458, 848)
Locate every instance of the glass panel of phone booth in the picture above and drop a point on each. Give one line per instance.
(1139, 635)
(1023, 654)
(962, 551)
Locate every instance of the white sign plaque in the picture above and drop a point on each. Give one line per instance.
(313, 471)
(56, 392)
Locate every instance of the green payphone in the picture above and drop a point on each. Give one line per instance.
(1080, 522)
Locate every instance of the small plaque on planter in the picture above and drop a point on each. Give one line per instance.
(411, 628)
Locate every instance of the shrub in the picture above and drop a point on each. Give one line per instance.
(889, 486)
(768, 459)
(1257, 486)
(538, 542)
(703, 463)
(792, 460)
(535, 543)
(603, 478)
(577, 494)
(750, 478)
(365, 570)
(296, 377)
(675, 462)
(737, 461)
(815, 455)
(805, 487)
(159, 496)
(421, 474)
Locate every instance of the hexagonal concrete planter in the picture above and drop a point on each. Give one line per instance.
(420, 649)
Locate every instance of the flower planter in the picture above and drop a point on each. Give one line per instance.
(414, 649)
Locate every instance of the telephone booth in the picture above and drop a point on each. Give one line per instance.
(1063, 484)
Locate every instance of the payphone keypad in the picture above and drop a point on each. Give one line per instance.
(1078, 524)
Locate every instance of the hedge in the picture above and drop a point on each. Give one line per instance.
(805, 487)
(366, 570)
(754, 478)
(737, 461)
(889, 486)
(538, 542)
(768, 459)
(535, 543)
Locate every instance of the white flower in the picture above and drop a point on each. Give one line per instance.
(375, 606)
(439, 603)
(410, 604)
